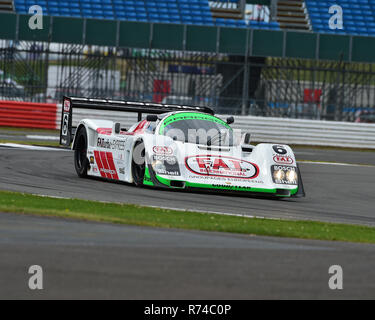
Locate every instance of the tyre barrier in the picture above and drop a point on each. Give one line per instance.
(28, 115)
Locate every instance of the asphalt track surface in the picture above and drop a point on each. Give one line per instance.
(335, 193)
(84, 260)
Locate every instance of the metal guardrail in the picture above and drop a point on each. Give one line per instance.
(308, 132)
(276, 130)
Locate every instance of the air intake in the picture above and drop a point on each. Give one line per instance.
(282, 192)
(177, 184)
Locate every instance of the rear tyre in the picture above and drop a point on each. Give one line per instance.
(138, 163)
(80, 153)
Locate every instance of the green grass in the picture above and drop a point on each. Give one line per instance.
(29, 73)
(154, 217)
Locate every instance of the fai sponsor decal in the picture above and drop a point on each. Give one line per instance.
(283, 159)
(162, 150)
(66, 105)
(111, 144)
(221, 167)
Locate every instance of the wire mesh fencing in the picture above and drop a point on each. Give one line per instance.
(293, 88)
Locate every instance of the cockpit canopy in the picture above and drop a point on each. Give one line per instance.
(197, 128)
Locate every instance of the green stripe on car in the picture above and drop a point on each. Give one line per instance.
(167, 182)
(191, 116)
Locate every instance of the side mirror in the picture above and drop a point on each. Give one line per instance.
(230, 120)
(152, 117)
(247, 138)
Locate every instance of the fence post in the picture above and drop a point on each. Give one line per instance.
(273, 10)
(245, 88)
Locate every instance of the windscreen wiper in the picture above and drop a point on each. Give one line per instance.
(218, 135)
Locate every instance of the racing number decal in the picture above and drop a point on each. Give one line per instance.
(279, 149)
(65, 124)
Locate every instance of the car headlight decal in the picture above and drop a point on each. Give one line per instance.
(165, 165)
(291, 176)
(284, 174)
(158, 166)
(279, 175)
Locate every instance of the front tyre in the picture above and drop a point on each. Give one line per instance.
(138, 163)
(80, 153)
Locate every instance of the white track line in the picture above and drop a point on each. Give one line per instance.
(54, 138)
(29, 147)
(336, 163)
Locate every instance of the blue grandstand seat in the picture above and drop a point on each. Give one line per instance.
(152, 10)
(140, 9)
(358, 16)
(142, 16)
(165, 11)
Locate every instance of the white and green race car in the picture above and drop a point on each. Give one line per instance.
(173, 146)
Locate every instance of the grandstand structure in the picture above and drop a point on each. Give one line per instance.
(359, 16)
(199, 12)
(6, 5)
(261, 57)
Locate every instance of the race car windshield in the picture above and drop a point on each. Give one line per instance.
(198, 129)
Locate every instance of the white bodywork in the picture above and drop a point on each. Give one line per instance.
(241, 167)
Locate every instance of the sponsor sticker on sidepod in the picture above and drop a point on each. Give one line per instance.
(221, 167)
(283, 159)
(66, 105)
(162, 150)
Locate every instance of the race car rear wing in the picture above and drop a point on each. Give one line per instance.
(70, 103)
